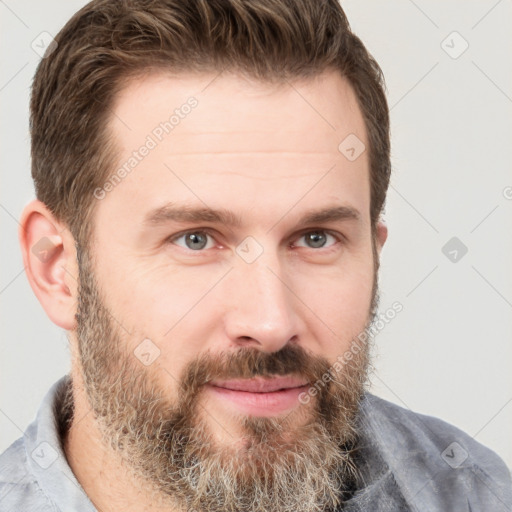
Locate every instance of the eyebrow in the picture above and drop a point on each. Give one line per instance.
(182, 213)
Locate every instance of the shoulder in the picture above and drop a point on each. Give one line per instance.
(19, 489)
(431, 434)
(435, 460)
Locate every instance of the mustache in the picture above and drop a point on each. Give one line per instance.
(250, 362)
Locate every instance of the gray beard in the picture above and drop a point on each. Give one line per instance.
(168, 446)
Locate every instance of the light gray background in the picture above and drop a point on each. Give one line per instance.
(449, 352)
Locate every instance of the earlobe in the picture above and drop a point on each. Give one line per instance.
(382, 235)
(49, 257)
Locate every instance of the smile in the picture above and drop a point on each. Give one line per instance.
(260, 397)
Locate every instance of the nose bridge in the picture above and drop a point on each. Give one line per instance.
(262, 304)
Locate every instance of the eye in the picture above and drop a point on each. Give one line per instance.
(318, 239)
(193, 240)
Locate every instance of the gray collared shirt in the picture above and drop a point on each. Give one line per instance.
(408, 462)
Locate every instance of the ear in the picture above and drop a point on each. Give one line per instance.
(49, 257)
(382, 235)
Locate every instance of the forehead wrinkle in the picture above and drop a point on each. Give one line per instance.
(257, 152)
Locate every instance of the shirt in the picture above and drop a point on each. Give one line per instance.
(407, 461)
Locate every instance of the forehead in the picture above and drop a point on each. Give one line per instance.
(319, 112)
(211, 138)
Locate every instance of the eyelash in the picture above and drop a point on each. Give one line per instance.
(337, 236)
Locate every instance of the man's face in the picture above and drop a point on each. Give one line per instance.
(174, 308)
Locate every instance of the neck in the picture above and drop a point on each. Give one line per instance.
(98, 469)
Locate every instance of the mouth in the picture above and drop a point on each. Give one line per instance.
(260, 384)
(260, 396)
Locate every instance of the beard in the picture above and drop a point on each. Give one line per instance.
(169, 447)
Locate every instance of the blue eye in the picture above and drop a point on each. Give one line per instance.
(194, 240)
(200, 240)
(318, 239)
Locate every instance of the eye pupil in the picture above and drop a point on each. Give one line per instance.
(197, 240)
(316, 239)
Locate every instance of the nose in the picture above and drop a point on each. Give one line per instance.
(260, 310)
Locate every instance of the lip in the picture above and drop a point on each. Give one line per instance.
(260, 397)
(260, 384)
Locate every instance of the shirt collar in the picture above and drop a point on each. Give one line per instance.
(45, 453)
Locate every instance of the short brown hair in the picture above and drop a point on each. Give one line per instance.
(108, 42)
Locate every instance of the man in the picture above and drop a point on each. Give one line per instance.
(210, 178)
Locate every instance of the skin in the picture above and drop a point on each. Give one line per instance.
(268, 154)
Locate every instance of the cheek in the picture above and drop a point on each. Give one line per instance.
(177, 310)
(341, 299)
(159, 299)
